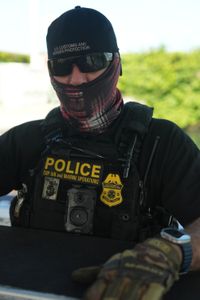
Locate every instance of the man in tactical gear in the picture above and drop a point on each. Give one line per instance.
(97, 166)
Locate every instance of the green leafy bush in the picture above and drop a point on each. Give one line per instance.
(14, 57)
(170, 82)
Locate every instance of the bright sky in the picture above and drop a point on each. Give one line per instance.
(139, 24)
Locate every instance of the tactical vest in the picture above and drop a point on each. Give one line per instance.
(89, 187)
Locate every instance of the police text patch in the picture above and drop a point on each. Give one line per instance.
(73, 170)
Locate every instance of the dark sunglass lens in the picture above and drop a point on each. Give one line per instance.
(86, 63)
(60, 67)
(94, 62)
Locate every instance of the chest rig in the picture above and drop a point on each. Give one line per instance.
(88, 186)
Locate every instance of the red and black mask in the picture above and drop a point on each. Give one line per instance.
(92, 106)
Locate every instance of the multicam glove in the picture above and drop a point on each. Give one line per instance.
(144, 273)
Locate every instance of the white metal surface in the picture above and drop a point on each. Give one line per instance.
(10, 293)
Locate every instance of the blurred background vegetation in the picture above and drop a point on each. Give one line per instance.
(168, 81)
(14, 57)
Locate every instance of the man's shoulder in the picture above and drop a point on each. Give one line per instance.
(167, 130)
(25, 129)
(135, 117)
(161, 125)
(140, 117)
(172, 138)
(33, 127)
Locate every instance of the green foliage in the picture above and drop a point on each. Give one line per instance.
(14, 57)
(194, 133)
(170, 82)
(196, 138)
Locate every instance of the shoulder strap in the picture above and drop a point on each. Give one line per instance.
(139, 116)
(52, 122)
(135, 122)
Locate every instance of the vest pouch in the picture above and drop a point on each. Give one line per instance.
(46, 211)
(125, 227)
(118, 209)
(126, 221)
(65, 192)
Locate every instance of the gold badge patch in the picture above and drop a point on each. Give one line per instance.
(112, 187)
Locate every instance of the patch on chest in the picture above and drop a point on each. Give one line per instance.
(73, 170)
(111, 193)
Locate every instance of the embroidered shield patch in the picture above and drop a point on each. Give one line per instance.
(112, 187)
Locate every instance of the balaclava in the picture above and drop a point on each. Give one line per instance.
(92, 106)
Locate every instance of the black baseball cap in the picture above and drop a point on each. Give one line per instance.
(80, 31)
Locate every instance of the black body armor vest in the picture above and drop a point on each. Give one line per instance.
(89, 187)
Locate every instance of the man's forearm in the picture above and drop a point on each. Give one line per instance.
(194, 230)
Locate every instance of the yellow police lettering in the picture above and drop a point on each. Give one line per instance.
(59, 165)
(77, 167)
(96, 171)
(84, 172)
(68, 170)
(85, 169)
(49, 162)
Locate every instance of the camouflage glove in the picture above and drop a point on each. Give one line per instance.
(144, 273)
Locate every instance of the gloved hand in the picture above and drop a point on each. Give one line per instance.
(144, 273)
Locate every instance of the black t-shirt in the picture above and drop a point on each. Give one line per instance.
(173, 177)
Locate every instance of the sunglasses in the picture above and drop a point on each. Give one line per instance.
(86, 63)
